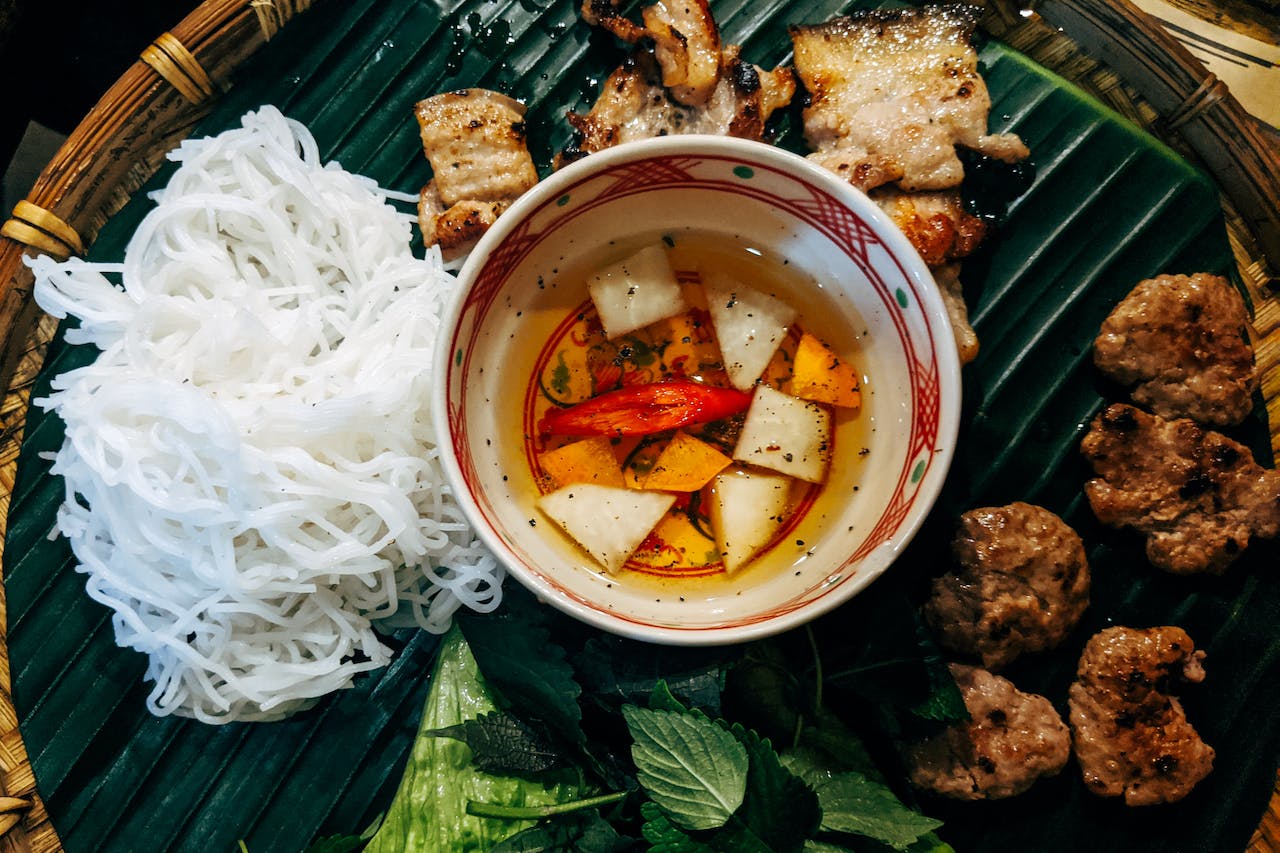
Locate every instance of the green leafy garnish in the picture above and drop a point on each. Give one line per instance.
(662, 699)
(695, 770)
(664, 836)
(812, 846)
(429, 812)
(614, 670)
(499, 810)
(855, 804)
(889, 661)
(651, 763)
(943, 702)
(560, 376)
(527, 669)
(836, 747)
(779, 807)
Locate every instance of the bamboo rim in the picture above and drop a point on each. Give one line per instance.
(114, 150)
(172, 61)
(1108, 47)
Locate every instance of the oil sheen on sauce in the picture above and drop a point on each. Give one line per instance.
(576, 362)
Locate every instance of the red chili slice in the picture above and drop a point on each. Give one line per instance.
(646, 409)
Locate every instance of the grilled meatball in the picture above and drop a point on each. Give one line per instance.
(1197, 495)
(1022, 586)
(1011, 739)
(1182, 341)
(1131, 738)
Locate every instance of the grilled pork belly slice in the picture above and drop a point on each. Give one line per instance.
(891, 95)
(475, 142)
(898, 90)
(457, 227)
(941, 230)
(686, 42)
(633, 104)
(858, 166)
(604, 14)
(947, 278)
(936, 223)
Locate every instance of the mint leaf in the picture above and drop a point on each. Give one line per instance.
(855, 804)
(779, 807)
(503, 744)
(690, 766)
(811, 765)
(664, 836)
(811, 846)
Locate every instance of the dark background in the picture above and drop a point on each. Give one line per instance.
(58, 58)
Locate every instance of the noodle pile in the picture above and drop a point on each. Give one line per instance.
(251, 472)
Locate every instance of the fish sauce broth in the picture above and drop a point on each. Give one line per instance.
(577, 362)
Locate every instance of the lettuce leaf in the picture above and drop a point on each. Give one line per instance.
(429, 812)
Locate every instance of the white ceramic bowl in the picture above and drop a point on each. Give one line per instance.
(526, 276)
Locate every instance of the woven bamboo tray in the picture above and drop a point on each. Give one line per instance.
(1107, 47)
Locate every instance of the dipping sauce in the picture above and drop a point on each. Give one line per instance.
(578, 363)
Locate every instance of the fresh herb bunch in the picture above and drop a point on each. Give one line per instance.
(541, 734)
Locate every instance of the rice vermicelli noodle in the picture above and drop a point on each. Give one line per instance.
(251, 473)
